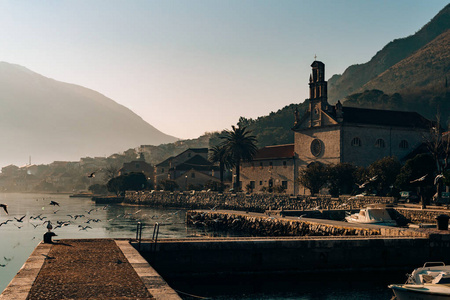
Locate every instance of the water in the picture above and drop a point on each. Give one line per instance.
(119, 221)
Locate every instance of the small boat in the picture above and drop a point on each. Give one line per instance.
(430, 282)
(371, 215)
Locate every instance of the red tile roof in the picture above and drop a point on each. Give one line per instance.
(277, 151)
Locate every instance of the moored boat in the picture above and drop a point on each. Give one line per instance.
(430, 282)
(371, 215)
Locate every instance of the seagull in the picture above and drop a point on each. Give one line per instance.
(5, 207)
(18, 226)
(6, 222)
(21, 219)
(363, 185)
(419, 179)
(54, 203)
(89, 211)
(92, 175)
(35, 225)
(374, 178)
(437, 178)
(84, 227)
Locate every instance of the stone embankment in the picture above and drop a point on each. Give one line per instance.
(417, 215)
(248, 202)
(264, 225)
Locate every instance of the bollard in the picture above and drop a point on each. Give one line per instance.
(48, 237)
(442, 222)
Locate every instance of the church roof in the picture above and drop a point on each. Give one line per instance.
(272, 152)
(385, 117)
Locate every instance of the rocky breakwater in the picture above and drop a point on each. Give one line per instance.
(418, 215)
(264, 225)
(257, 202)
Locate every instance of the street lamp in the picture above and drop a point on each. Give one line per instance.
(185, 188)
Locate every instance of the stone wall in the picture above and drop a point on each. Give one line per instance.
(270, 226)
(247, 202)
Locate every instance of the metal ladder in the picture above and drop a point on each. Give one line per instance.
(154, 237)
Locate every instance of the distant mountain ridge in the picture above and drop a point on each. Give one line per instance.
(51, 120)
(427, 66)
(356, 76)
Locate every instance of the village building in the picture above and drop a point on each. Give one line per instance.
(187, 169)
(139, 166)
(332, 134)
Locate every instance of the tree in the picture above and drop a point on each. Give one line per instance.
(240, 145)
(385, 171)
(341, 178)
(135, 181)
(111, 171)
(219, 154)
(115, 185)
(414, 168)
(98, 189)
(168, 185)
(313, 177)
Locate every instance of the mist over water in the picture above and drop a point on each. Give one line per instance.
(119, 221)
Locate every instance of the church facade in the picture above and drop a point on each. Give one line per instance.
(332, 134)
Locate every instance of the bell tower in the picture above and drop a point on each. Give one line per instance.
(318, 100)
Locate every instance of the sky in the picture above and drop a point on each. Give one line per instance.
(190, 67)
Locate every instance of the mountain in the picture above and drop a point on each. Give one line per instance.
(51, 120)
(355, 76)
(427, 66)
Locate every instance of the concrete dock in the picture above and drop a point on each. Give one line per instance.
(87, 269)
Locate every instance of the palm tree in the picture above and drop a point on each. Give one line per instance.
(241, 146)
(219, 154)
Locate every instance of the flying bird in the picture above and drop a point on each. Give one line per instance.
(419, 179)
(374, 178)
(84, 227)
(20, 219)
(92, 175)
(437, 178)
(5, 207)
(54, 203)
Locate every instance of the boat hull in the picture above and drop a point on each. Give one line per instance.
(404, 292)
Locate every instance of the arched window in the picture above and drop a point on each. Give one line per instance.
(356, 142)
(380, 143)
(403, 144)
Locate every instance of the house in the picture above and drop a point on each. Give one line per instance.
(189, 168)
(139, 166)
(271, 166)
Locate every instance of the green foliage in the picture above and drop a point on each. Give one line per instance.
(386, 170)
(115, 185)
(214, 186)
(428, 101)
(168, 185)
(447, 177)
(278, 189)
(98, 189)
(313, 177)
(239, 145)
(415, 168)
(275, 128)
(134, 181)
(341, 178)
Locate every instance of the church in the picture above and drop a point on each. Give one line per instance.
(332, 134)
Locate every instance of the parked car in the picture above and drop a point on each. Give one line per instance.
(409, 197)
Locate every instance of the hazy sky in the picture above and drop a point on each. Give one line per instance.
(188, 67)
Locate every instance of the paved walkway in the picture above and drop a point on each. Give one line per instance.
(87, 269)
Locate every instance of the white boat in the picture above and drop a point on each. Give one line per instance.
(430, 282)
(371, 215)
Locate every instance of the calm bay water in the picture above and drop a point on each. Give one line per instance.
(18, 240)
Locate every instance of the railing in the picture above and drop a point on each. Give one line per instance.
(154, 237)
